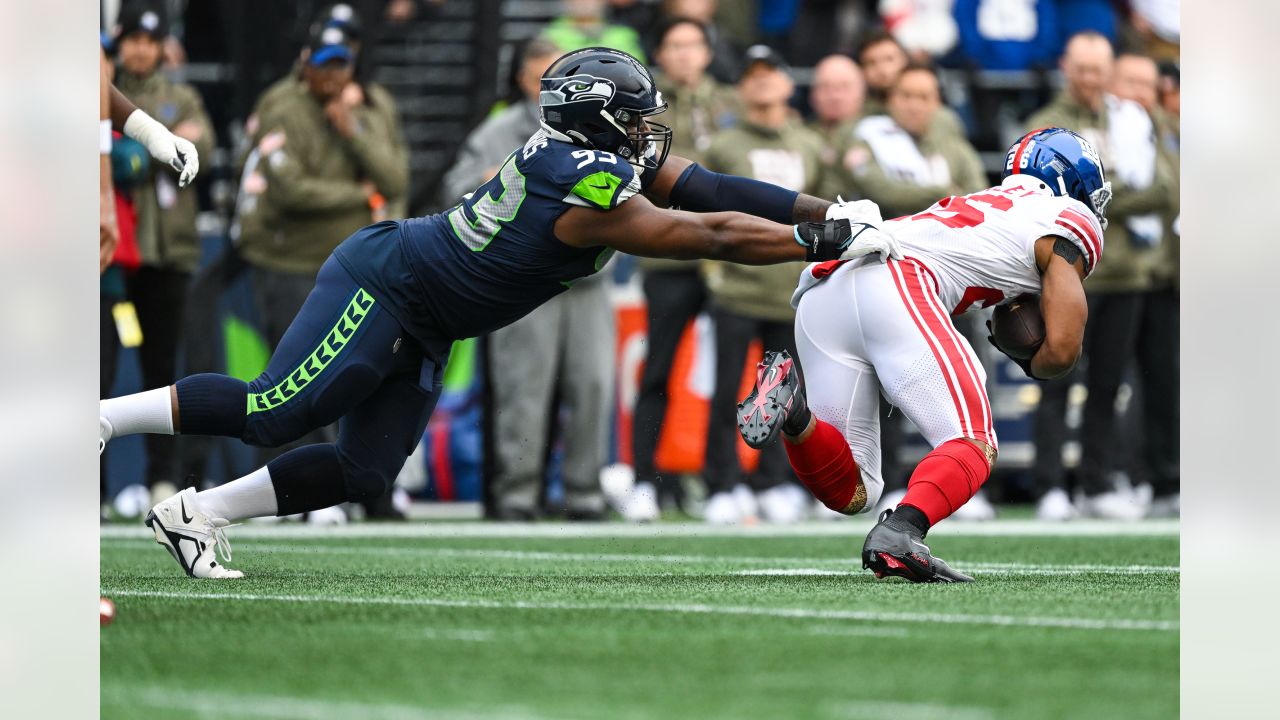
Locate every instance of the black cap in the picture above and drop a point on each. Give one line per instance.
(330, 43)
(342, 16)
(142, 18)
(764, 54)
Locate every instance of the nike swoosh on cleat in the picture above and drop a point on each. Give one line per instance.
(185, 518)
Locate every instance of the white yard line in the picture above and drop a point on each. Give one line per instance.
(678, 608)
(496, 554)
(199, 704)
(872, 710)
(839, 528)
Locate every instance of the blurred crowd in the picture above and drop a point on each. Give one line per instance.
(899, 101)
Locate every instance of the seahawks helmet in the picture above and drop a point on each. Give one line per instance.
(1064, 161)
(598, 98)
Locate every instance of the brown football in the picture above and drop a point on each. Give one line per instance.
(1018, 326)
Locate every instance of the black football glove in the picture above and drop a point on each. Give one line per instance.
(829, 240)
(1024, 364)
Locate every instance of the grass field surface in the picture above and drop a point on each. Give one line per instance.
(467, 620)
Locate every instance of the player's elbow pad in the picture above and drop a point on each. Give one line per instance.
(700, 190)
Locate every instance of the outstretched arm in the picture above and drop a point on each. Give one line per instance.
(638, 228)
(682, 183)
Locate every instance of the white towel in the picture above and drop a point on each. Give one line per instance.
(897, 154)
(1132, 139)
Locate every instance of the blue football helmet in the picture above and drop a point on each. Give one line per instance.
(1064, 161)
(598, 98)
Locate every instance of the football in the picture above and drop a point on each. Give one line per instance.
(1018, 326)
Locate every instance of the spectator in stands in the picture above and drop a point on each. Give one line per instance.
(697, 107)
(750, 303)
(726, 64)
(1014, 36)
(563, 351)
(1123, 134)
(327, 164)
(902, 160)
(836, 98)
(166, 217)
(882, 58)
(1156, 456)
(584, 24)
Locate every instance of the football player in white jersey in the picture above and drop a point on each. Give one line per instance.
(864, 327)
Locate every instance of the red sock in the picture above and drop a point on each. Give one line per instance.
(825, 466)
(946, 478)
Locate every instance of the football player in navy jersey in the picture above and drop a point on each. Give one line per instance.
(369, 346)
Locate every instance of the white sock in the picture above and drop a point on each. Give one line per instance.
(144, 412)
(248, 497)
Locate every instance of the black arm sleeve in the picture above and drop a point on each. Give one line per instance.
(700, 190)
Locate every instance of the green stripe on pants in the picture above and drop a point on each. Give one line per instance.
(297, 381)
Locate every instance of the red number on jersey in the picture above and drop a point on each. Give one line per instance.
(961, 212)
(986, 296)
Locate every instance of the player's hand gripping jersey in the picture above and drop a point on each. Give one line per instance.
(979, 249)
(494, 257)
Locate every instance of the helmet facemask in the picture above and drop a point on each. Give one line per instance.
(1100, 199)
(647, 143)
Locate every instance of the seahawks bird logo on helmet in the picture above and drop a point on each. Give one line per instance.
(599, 98)
(579, 88)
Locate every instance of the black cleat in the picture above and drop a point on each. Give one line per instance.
(775, 404)
(897, 548)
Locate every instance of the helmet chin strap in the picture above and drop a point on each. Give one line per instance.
(553, 133)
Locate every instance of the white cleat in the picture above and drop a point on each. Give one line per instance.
(104, 433)
(722, 509)
(1055, 506)
(978, 509)
(641, 504)
(784, 504)
(1113, 505)
(747, 504)
(192, 537)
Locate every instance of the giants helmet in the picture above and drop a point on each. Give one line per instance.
(598, 98)
(1064, 161)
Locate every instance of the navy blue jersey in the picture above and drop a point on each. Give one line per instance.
(493, 258)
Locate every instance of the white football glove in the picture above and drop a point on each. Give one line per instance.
(859, 211)
(178, 153)
(872, 239)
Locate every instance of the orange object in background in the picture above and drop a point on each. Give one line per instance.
(683, 441)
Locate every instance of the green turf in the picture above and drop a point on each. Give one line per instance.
(432, 627)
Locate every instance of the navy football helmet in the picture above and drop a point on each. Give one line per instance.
(599, 98)
(1064, 161)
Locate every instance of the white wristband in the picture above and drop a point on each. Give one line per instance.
(104, 137)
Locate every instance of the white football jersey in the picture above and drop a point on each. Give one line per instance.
(980, 248)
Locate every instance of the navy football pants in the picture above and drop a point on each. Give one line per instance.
(346, 359)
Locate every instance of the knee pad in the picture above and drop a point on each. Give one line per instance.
(364, 482)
